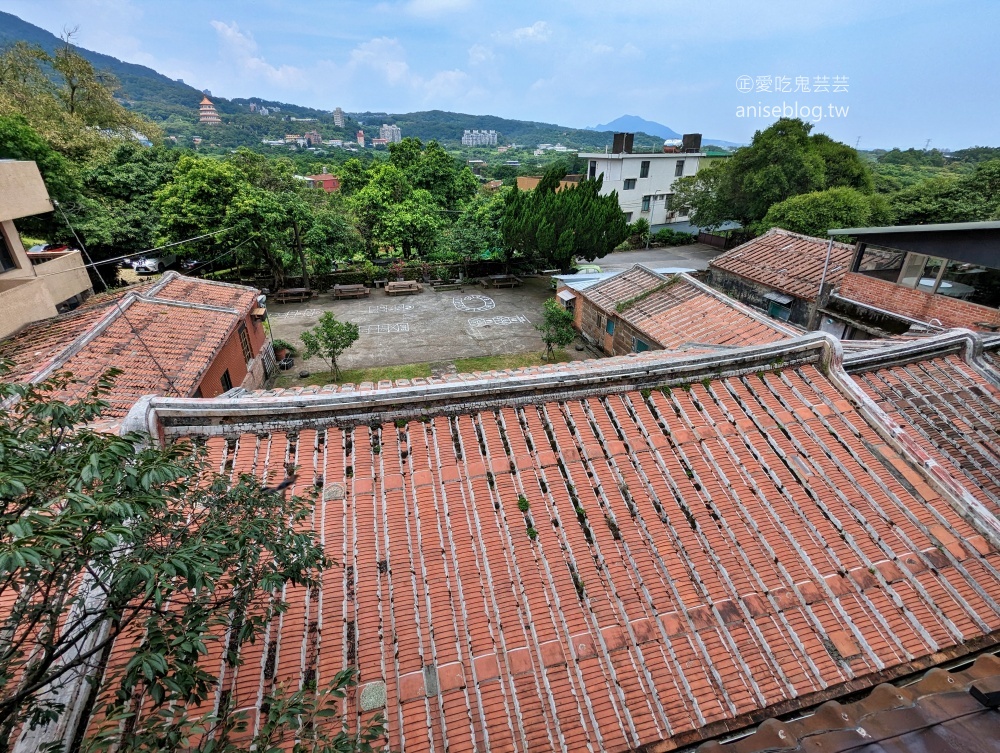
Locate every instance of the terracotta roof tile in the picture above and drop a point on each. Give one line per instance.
(703, 556)
(158, 334)
(787, 262)
(677, 312)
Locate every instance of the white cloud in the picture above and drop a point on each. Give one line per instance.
(383, 55)
(537, 32)
(480, 54)
(629, 50)
(241, 48)
(601, 49)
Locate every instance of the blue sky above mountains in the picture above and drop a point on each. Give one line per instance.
(910, 70)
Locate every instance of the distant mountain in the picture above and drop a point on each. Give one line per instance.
(635, 124)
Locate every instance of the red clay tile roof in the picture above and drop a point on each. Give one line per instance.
(938, 714)
(676, 311)
(703, 557)
(159, 334)
(953, 412)
(788, 262)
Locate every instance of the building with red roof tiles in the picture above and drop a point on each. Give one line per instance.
(179, 336)
(946, 275)
(326, 181)
(780, 272)
(710, 539)
(639, 309)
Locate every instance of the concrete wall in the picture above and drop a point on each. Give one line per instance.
(64, 276)
(22, 190)
(230, 357)
(590, 321)
(916, 304)
(752, 294)
(22, 301)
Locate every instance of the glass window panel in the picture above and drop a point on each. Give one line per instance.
(912, 270)
(883, 263)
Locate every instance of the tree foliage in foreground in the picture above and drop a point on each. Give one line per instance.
(551, 228)
(104, 539)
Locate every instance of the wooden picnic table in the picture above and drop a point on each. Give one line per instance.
(455, 284)
(501, 281)
(289, 295)
(351, 291)
(403, 287)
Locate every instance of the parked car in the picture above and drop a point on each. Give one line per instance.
(147, 265)
(190, 265)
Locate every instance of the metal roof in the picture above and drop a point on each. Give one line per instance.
(944, 227)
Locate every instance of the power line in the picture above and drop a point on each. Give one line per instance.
(118, 305)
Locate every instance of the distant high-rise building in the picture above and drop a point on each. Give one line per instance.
(390, 133)
(361, 138)
(479, 138)
(338, 118)
(207, 113)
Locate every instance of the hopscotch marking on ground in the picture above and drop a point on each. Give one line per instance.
(390, 308)
(473, 302)
(295, 314)
(382, 329)
(503, 321)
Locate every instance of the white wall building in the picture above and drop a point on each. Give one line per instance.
(644, 182)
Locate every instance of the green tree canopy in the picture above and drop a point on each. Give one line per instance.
(782, 161)
(329, 339)
(816, 213)
(556, 326)
(552, 228)
(967, 198)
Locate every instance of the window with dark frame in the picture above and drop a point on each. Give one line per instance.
(245, 342)
(227, 381)
(679, 168)
(593, 169)
(645, 203)
(629, 184)
(644, 169)
(6, 256)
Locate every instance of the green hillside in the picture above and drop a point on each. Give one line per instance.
(447, 128)
(174, 106)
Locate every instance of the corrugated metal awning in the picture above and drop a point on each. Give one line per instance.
(565, 295)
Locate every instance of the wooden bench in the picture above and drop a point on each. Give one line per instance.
(446, 284)
(404, 287)
(292, 295)
(351, 291)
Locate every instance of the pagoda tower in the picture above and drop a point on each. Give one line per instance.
(207, 113)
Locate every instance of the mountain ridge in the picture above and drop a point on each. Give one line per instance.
(635, 123)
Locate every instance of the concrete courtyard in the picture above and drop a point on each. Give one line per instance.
(428, 327)
(437, 327)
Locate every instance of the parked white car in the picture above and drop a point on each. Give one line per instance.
(147, 265)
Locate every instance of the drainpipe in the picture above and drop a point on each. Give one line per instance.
(814, 317)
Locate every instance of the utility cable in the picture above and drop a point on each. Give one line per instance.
(118, 305)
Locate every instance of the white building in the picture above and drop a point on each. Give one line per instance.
(479, 138)
(644, 182)
(338, 118)
(390, 133)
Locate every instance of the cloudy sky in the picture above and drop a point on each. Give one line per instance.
(907, 70)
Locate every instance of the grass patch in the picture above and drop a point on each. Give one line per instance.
(512, 361)
(357, 376)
